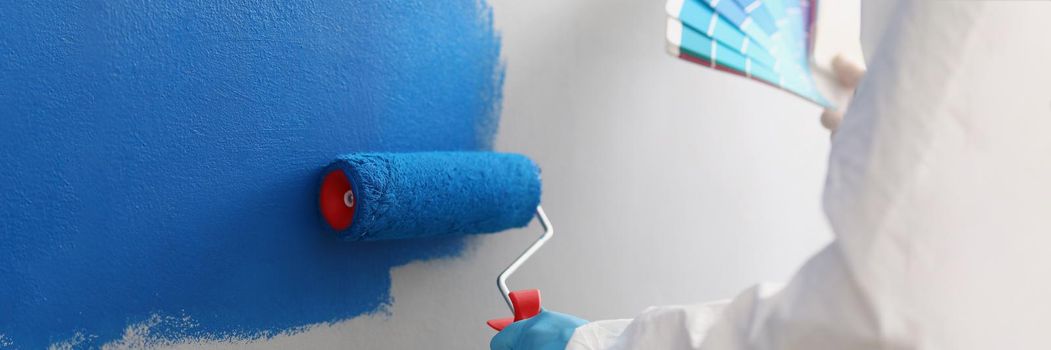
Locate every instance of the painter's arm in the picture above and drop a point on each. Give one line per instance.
(936, 198)
(822, 288)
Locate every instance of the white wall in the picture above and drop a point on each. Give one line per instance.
(667, 183)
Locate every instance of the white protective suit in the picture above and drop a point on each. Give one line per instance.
(939, 194)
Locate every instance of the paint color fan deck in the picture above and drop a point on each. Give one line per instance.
(765, 40)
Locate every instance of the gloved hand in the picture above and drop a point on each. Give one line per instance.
(547, 330)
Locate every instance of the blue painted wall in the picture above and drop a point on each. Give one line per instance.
(162, 158)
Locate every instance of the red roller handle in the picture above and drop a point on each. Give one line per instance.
(526, 303)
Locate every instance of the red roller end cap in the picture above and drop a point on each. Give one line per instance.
(337, 200)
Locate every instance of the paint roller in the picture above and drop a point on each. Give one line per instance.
(390, 196)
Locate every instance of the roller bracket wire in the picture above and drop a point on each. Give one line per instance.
(501, 281)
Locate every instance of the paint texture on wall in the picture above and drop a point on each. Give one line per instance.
(159, 160)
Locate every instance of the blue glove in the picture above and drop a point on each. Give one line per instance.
(547, 330)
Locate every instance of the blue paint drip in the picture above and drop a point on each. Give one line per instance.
(163, 157)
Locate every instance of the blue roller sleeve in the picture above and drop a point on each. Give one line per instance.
(410, 195)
